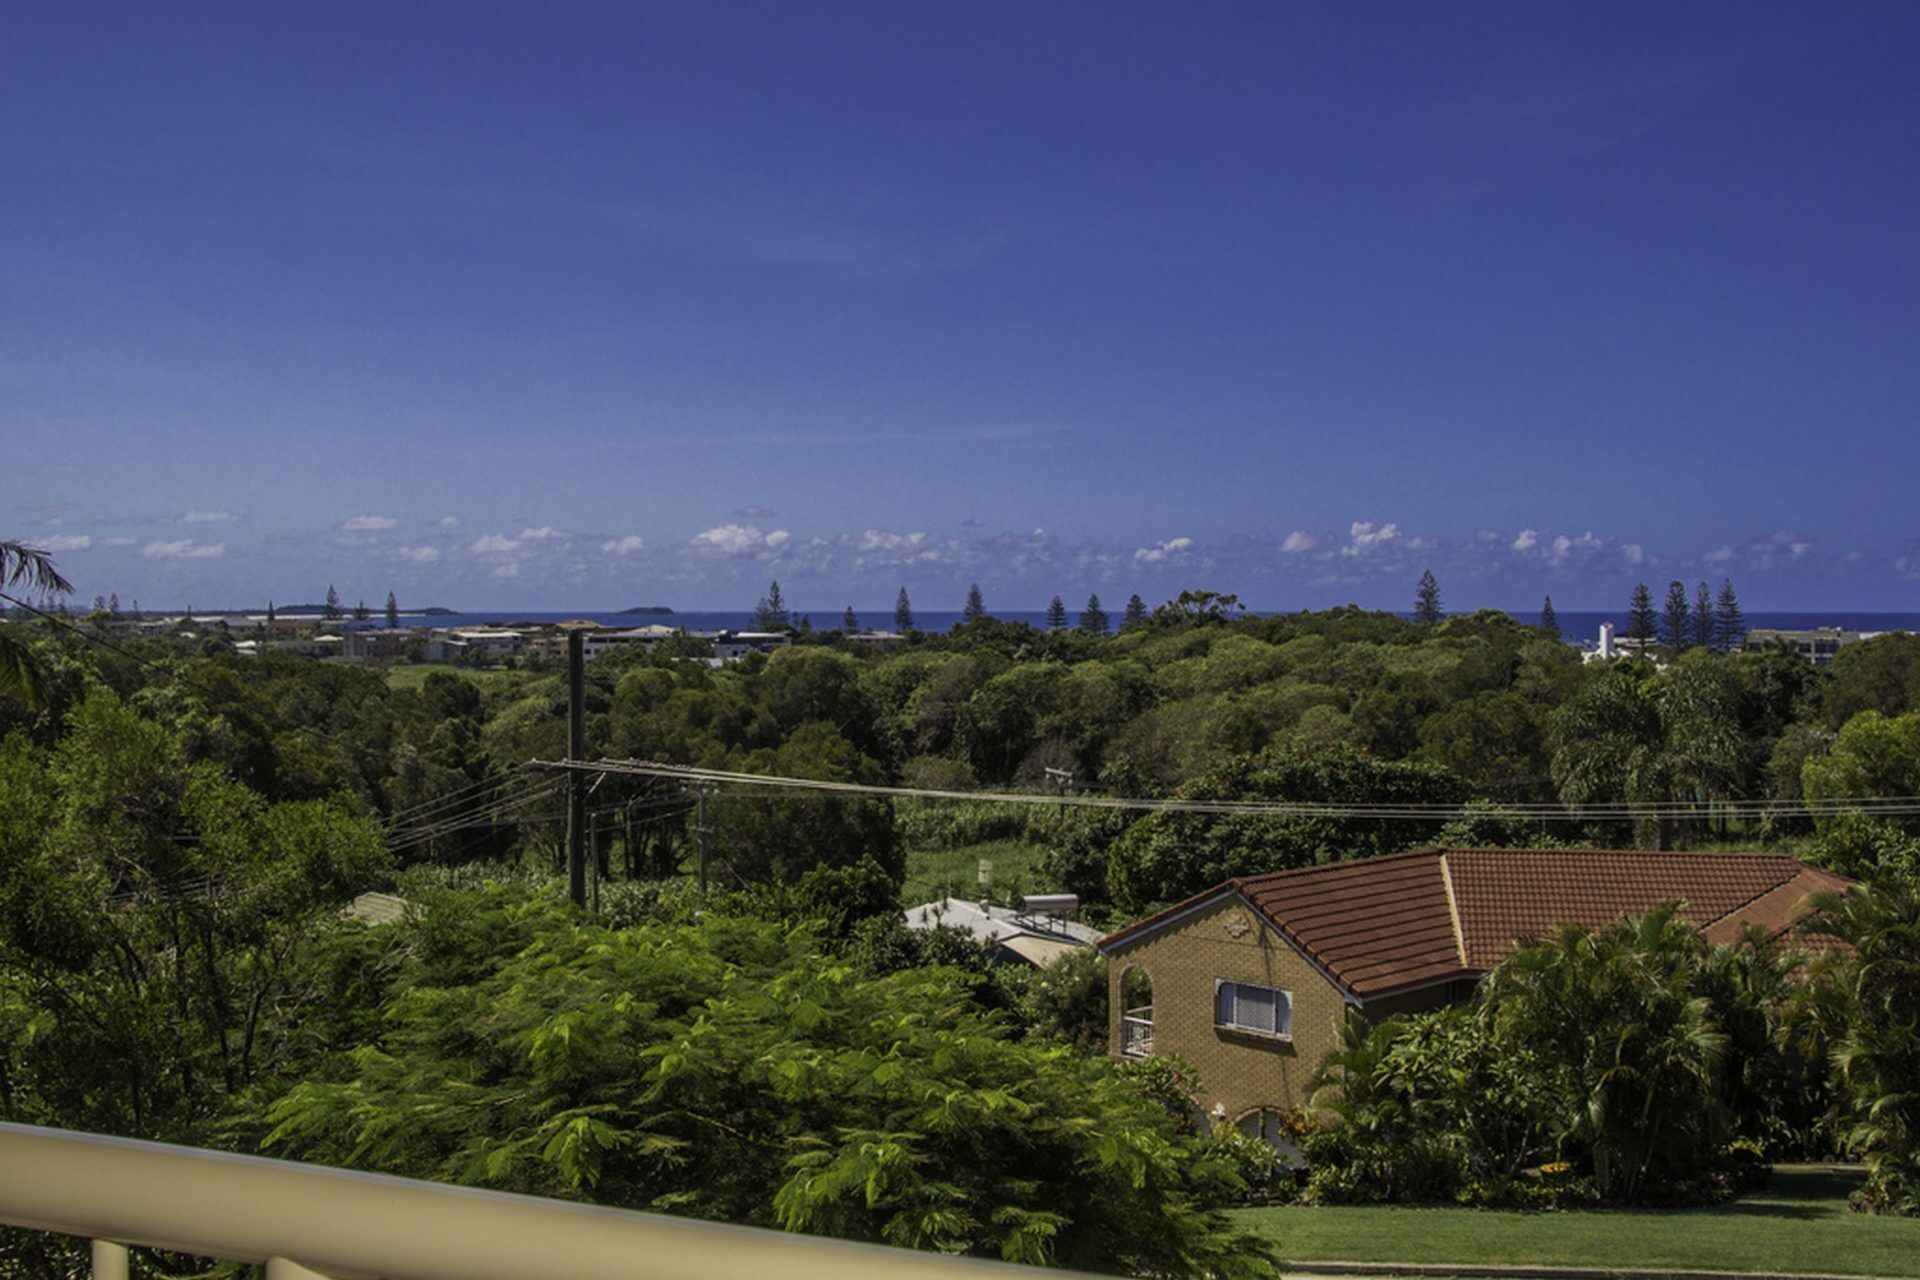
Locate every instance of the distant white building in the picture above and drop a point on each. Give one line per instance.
(1819, 646)
(599, 643)
(1038, 933)
(443, 646)
(730, 645)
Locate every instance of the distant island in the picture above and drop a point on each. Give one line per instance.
(302, 610)
(651, 609)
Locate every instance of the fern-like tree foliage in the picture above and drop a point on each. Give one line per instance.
(729, 1069)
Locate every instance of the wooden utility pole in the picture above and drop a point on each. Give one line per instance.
(576, 756)
(700, 827)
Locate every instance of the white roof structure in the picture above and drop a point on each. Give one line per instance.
(1037, 939)
(375, 908)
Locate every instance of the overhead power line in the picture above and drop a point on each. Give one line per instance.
(1890, 806)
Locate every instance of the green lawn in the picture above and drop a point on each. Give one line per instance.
(1798, 1223)
(411, 675)
(940, 873)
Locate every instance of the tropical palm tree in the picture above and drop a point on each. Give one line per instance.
(1635, 1052)
(1867, 997)
(22, 566)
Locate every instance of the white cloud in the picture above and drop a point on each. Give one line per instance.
(1362, 537)
(65, 542)
(1159, 553)
(206, 517)
(738, 540)
(1635, 553)
(1528, 539)
(880, 540)
(418, 555)
(544, 533)
(1297, 541)
(118, 540)
(184, 549)
(511, 569)
(369, 524)
(623, 546)
(1563, 547)
(494, 544)
(448, 522)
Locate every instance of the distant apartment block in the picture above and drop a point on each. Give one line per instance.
(1818, 646)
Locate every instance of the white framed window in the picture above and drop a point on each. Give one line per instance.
(1263, 1011)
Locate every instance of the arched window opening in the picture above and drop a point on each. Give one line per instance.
(1136, 1013)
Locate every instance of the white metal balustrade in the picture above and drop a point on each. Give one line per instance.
(305, 1220)
(1136, 1033)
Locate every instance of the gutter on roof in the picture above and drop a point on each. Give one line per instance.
(1206, 898)
(1159, 919)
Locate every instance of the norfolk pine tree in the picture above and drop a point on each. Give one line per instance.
(1676, 620)
(1549, 622)
(360, 613)
(332, 608)
(1136, 612)
(393, 612)
(1093, 618)
(1426, 602)
(1703, 616)
(1056, 614)
(771, 613)
(1643, 624)
(1729, 628)
(848, 622)
(902, 613)
(976, 607)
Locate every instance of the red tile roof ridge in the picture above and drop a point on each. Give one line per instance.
(1430, 906)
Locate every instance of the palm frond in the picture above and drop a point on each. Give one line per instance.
(22, 565)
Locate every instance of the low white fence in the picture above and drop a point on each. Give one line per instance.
(305, 1220)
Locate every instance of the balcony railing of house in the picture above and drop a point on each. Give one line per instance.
(1136, 1032)
(305, 1221)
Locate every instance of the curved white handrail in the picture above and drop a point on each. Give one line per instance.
(344, 1223)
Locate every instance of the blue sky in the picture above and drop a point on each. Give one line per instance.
(593, 305)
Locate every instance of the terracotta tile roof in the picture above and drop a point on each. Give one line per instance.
(1378, 925)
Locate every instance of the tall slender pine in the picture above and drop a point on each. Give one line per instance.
(1093, 618)
(771, 613)
(1426, 601)
(1549, 621)
(1056, 614)
(902, 613)
(1676, 620)
(1643, 624)
(1703, 632)
(1729, 627)
(1135, 613)
(976, 606)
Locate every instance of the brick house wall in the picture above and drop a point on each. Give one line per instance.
(1239, 1071)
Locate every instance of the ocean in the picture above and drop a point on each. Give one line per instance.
(1581, 629)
